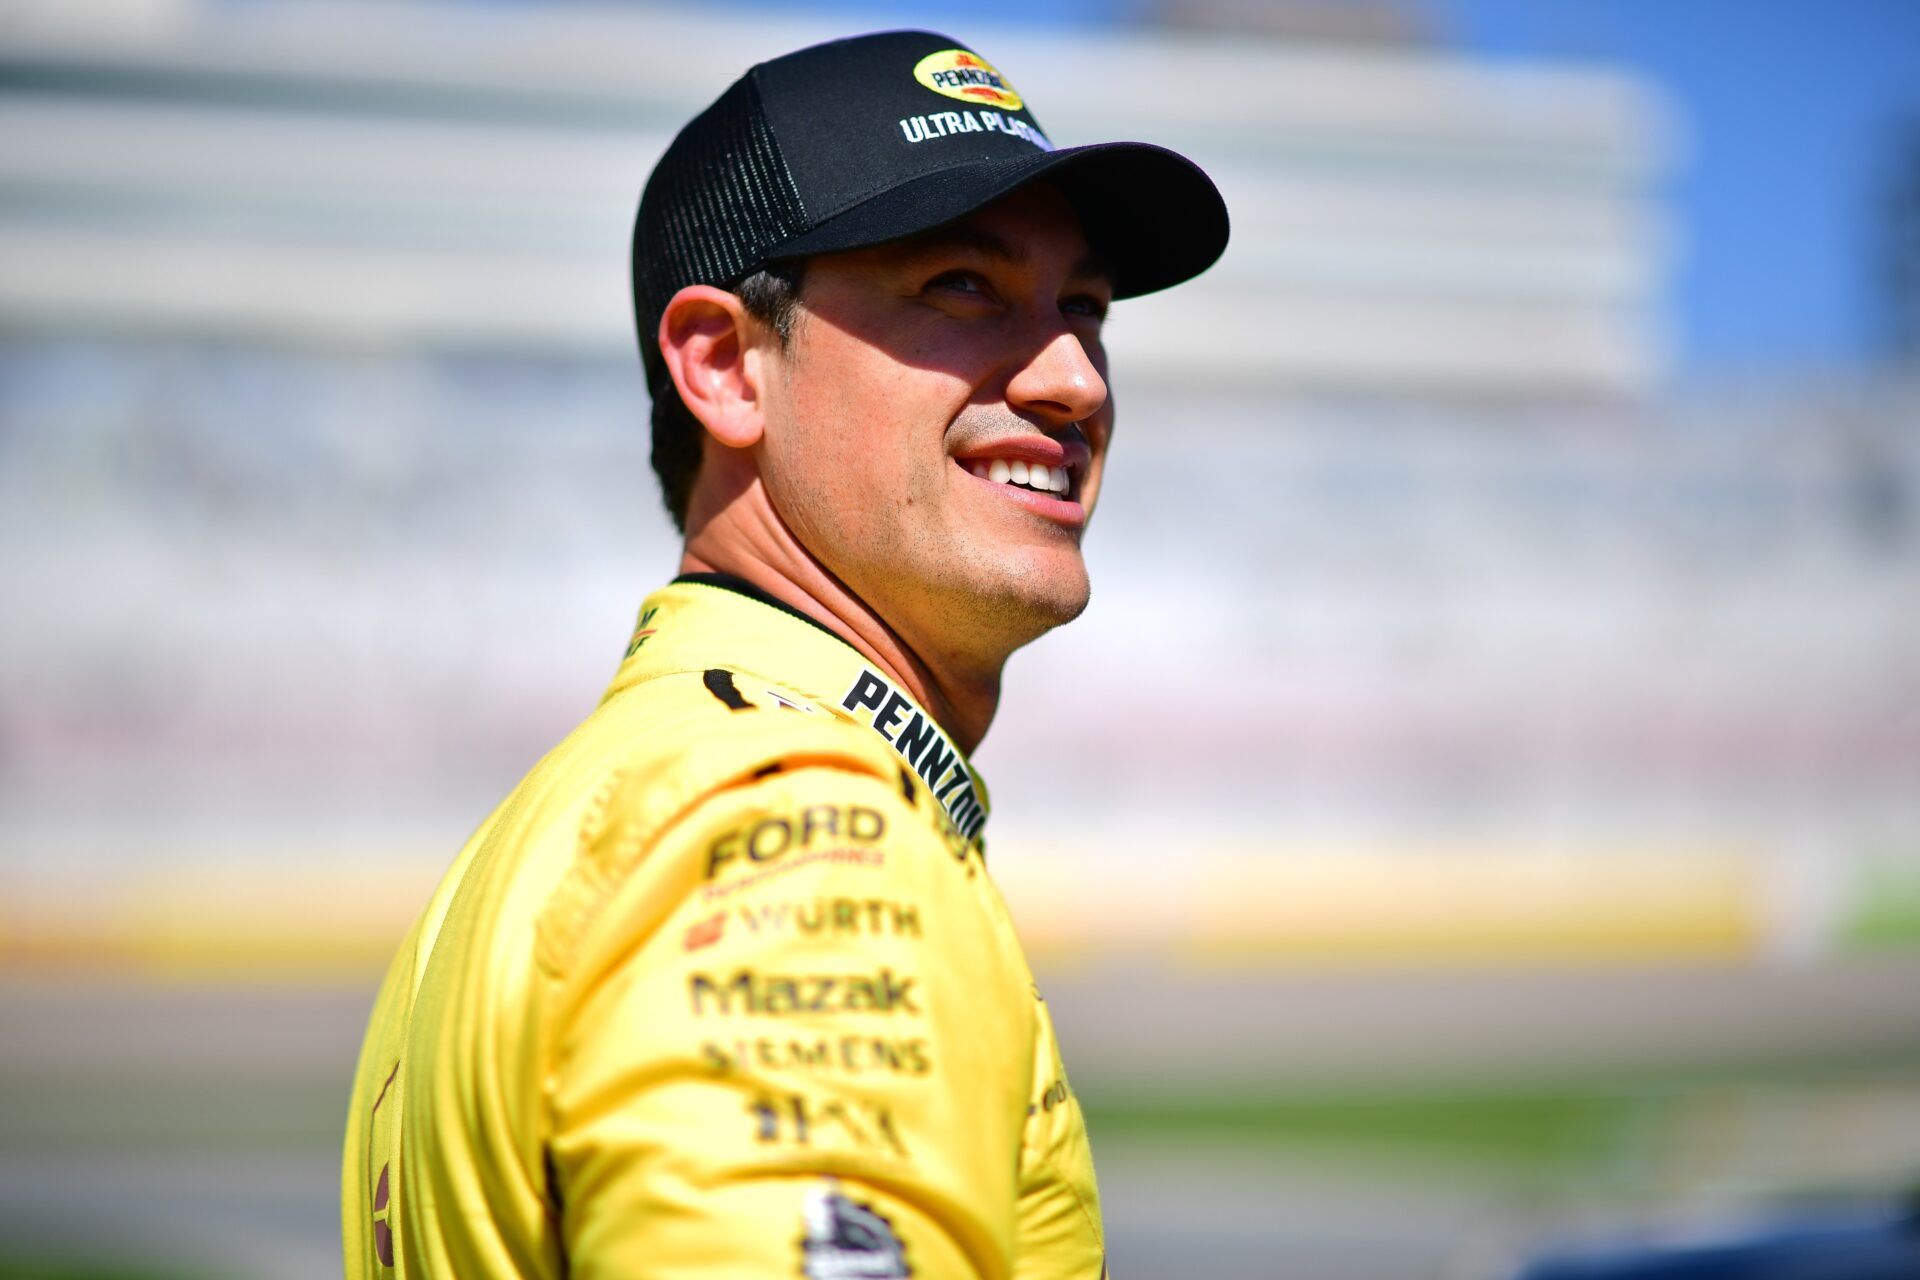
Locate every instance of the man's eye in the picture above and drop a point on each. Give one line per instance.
(959, 282)
(1085, 304)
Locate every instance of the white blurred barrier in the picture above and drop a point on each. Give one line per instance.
(325, 499)
(397, 174)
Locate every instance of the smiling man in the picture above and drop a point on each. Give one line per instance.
(723, 988)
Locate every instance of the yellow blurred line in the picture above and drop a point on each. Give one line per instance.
(232, 922)
(1211, 906)
(1488, 907)
(1408, 906)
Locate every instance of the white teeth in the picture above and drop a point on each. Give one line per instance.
(1037, 476)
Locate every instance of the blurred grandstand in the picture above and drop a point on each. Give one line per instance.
(1481, 798)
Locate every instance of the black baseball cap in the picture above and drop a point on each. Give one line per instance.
(869, 139)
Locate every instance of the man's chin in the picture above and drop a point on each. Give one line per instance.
(987, 599)
(1031, 603)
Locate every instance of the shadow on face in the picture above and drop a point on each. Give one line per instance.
(991, 292)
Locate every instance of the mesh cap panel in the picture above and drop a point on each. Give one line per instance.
(719, 197)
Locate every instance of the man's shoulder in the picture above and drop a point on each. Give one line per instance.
(709, 727)
(654, 749)
(638, 791)
(700, 776)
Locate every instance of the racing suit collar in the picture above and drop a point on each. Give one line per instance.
(779, 657)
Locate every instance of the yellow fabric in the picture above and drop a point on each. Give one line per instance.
(722, 990)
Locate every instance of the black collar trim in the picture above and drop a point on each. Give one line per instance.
(740, 586)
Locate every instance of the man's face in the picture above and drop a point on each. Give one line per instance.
(922, 379)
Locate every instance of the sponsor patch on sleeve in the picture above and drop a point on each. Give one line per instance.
(846, 1240)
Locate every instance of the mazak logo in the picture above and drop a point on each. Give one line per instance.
(780, 995)
(959, 73)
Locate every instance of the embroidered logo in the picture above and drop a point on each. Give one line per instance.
(849, 1241)
(958, 73)
(919, 741)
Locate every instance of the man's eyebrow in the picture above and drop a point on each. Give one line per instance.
(1091, 263)
(1094, 263)
(972, 238)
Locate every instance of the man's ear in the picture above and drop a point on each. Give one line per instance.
(704, 338)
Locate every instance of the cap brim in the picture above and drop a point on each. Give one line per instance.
(1154, 214)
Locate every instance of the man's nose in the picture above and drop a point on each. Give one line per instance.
(1059, 383)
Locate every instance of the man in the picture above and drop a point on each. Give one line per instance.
(722, 989)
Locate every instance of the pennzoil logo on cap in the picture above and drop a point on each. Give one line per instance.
(961, 74)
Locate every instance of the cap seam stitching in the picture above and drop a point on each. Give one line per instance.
(779, 150)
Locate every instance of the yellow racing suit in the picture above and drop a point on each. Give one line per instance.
(722, 990)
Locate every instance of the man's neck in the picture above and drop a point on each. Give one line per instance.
(762, 551)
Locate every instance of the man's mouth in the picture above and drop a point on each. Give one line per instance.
(1035, 477)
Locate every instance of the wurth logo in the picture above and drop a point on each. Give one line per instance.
(837, 917)
(813, 918)
(704, 933)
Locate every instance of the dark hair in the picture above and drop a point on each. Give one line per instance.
(771, 296)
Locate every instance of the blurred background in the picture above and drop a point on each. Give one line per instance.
(1478, 817)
